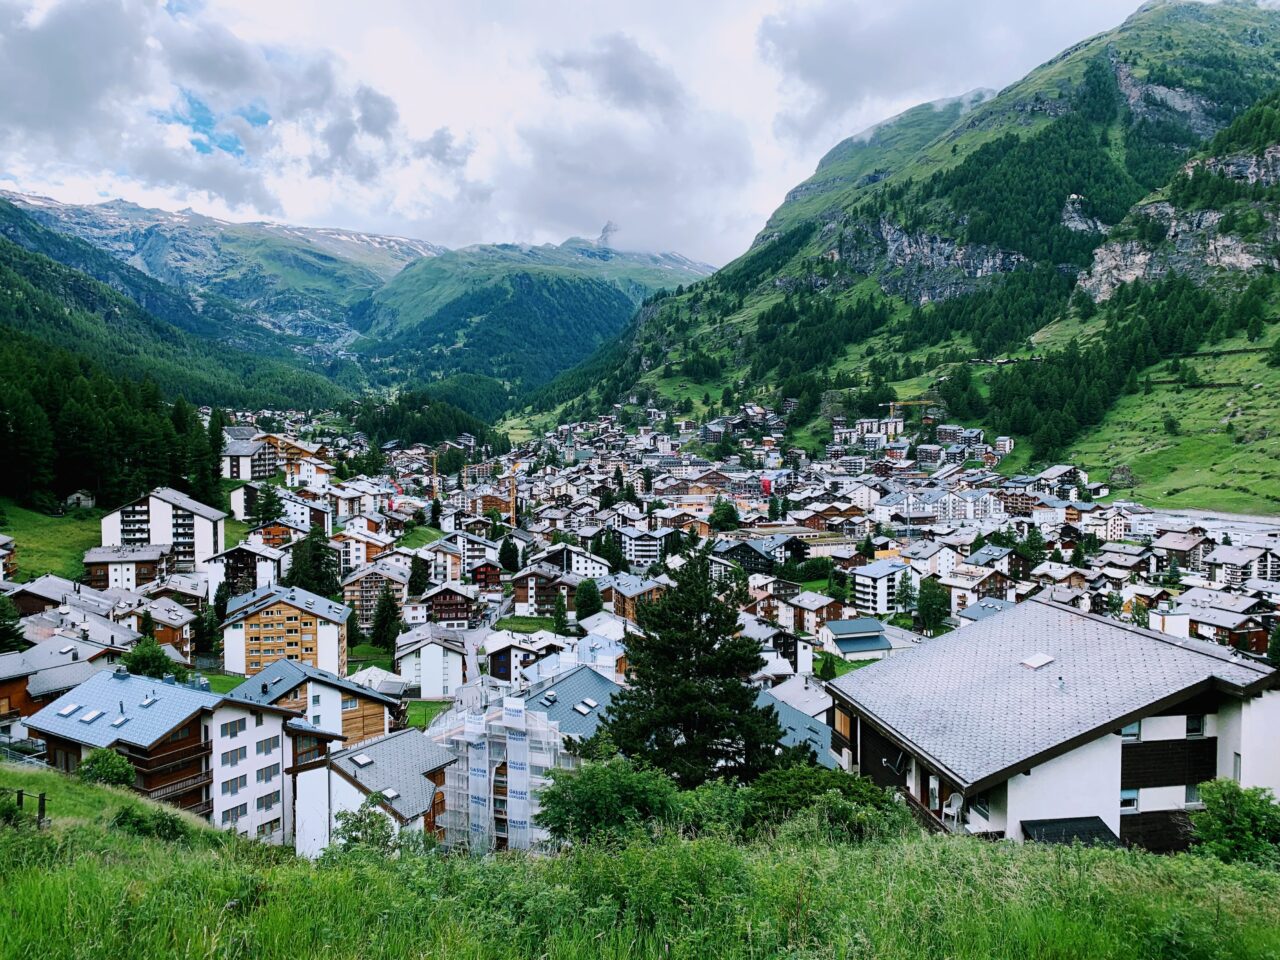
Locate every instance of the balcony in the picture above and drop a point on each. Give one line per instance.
(179, 787)
(153, 763)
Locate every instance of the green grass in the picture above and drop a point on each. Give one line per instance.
(80, 891)
(222, 682)
(420, 537)
(51, 544)
(367, 655)
(234, 531)
(420, 713)
(842, 665)
(523, 624)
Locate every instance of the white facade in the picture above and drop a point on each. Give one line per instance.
(250, 790)
(434, 668)
(321, 795)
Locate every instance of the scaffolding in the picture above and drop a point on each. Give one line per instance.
(504, 755)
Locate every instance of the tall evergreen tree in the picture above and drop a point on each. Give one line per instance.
(11, 636)
(419, 576)
(509, 555)
(269, 507)
(933, 605)
(688, 709)
(587, 601)
(314, 567)
(386, 621)
(560, 618)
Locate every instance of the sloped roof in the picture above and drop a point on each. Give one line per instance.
(800, 729)
(571, 690)
(280, 676)
(967, 702)
(398, 762)
(255, 600)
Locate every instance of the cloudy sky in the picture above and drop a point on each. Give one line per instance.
(458, 122)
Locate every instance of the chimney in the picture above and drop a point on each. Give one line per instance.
(75, 654)
(169, 679)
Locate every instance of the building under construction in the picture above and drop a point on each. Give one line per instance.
(504, 753)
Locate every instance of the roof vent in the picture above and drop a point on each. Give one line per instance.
(91, 716)
(391, 793)
(362, 760)
(582, 708)
(149, 700)
(69, 709)
(69, 648)
(119, 721)
(1037, 660)
(590, 703)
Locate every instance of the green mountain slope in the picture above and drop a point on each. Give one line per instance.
(969, 248)
(299, 280)
(53, 304)
(518, 314)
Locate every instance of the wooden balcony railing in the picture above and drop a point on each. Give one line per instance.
(179, 787)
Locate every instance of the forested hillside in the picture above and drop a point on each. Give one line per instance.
(516, 314)
(991, 241)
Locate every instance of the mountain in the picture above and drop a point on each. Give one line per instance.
(514, 313)
(299, 280)
(981, 229)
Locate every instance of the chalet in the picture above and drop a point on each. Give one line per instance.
(506, 655)
(403, 770)
(32, 678)
(326, 701)
(362, 588)
(631, 591)
(991, 555)
(643, 548)
(455, 606)
(359, 546)
(487, 576)
(127, 567)
(194, 530)
(432, 659)
(1232, 566)
(1117, 727)
(284, 623)
(968, 584)
(8, 557)
(245, 567)
(570, 559)
(48, 591)
(1187, 549)
(807, 611)
(171, 625)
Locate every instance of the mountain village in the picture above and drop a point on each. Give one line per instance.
(1014, 655)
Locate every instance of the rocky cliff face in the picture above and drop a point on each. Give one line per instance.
(1200, 244)
(922, 267)
(1261, 168)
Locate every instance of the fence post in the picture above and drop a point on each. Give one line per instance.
(40, 806)
(20, 793)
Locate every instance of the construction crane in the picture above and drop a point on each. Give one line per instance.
(435, 475)
(514, 518)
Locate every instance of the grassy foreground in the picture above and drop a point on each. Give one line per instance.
(81, 890)
(51, 544)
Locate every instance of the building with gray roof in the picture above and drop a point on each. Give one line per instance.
(1044, 712)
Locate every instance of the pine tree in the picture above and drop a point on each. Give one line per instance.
(221, 597)
(560, 618)
(826, 667)
(314, 567)
(724, 515)
(775, 508)
(509, 555)
(587, 601)
(933, 605)
(1273, 647)
(419, 576)
(386, 621)
(435, 514)
(11, 635)
(905, 596)
(269, 506)
(687, 709)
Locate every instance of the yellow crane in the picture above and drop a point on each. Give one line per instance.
(893, 405)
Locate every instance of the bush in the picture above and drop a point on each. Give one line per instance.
(155, 822)
(716, 808)
(834, 818)
(780, 794)
(107, 767)
(1238, 824)
(610, 800)
(11, 815)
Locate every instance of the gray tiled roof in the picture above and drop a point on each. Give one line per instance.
(966, 700)
(108, 691)
(281, 676)
(249, 603)
(400, 761)
(800, 729)
(571, 690)
(179, 499)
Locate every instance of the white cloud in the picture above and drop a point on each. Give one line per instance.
(683, 123)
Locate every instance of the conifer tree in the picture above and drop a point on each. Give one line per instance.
(386, 621)
(587, 601)
(688, 709)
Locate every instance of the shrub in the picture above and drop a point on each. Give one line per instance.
(155, 822)
(610, 800)
(780, 794)
(834, 818)
(717, 808)
(1238, 824)
(108, 767)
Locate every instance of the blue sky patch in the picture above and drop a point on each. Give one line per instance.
(255, 115)
(197, 115)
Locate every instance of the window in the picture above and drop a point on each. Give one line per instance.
(267, 774)
(180, 734)
(232, 757)
(233, 814)
(1129, 801)
(268, 828)
(844, 722)
(233, 728)
(1131, 732)
(1195, 725)
(350, 703)
(1235, 767)
(981, 805)
(268, 746)
(233, 786)
(269, 800)
(257, 719)
(1192, 798)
